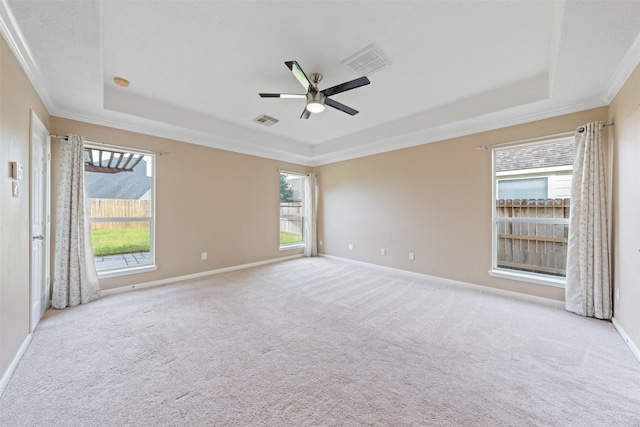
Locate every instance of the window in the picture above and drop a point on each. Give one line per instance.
(120, 189)
(291, 210)
(531, 210)
(523, 188)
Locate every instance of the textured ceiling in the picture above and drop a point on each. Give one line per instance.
(196, 67)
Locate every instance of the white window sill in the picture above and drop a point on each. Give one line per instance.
(522, 276)
(294, 246)
(126, 271)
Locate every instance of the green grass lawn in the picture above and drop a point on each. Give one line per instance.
(289, 238)
(120, 241)
(128, 240)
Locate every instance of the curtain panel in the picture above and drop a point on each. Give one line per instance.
(588, 288)
(75, 280)
(311, 210)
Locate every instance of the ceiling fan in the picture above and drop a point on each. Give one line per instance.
(316, 98)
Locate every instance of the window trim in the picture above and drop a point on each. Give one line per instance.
(528, 276)
(289, 246)
(106, 274)
(512, 274)
(116, 272)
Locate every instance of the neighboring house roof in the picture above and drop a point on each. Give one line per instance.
(535, 156)
(123, 185)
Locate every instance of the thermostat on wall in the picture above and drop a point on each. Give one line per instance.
(16, 170)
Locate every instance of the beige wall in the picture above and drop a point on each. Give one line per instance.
(625, 112)
(17, 100)
(207, 200)
(433, 200)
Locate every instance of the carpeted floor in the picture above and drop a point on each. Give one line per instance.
(320, 342)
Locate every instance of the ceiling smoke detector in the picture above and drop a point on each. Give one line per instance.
(266, 120)
(121, 81)
(366, 62)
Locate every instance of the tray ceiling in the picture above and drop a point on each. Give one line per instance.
(456, 67)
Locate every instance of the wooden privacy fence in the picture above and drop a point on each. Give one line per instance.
(532, 234)
(291, 217)
(107, 213)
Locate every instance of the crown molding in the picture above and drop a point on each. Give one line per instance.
(13, 35)
(167, 131)
(467, 127)
(629, 63)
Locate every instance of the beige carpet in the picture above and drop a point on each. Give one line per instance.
(319, 342)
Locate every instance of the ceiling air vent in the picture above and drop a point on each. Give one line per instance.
(265, 120)
(366, 62)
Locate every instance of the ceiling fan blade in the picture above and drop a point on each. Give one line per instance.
(362, 81)
(338, 106)
(300, 75)
(305, 114)
(282, 95)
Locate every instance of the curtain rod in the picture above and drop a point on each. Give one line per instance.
(537, 138)
(292, 173)
(119, 147)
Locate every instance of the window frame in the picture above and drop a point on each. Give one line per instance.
(288, 246)
(124, 271)
(504, 272)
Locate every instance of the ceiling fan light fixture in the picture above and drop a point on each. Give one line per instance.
(316, 98)
(315, 102)
(315, 107)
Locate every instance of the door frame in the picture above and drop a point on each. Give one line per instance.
(37, 129)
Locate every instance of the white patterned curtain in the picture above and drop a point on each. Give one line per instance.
(588, 290)
(311, 210)
(75, 280)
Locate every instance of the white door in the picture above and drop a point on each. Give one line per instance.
(40, 219)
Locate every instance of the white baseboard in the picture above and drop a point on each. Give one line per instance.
(6, 377)
(195, 275)
(634, 349)
(501, 292)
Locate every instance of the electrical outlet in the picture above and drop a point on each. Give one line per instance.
(203, 256)
(350, 246)
(617, 294)
(412, 256)
(383, 251)
(320, 242)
